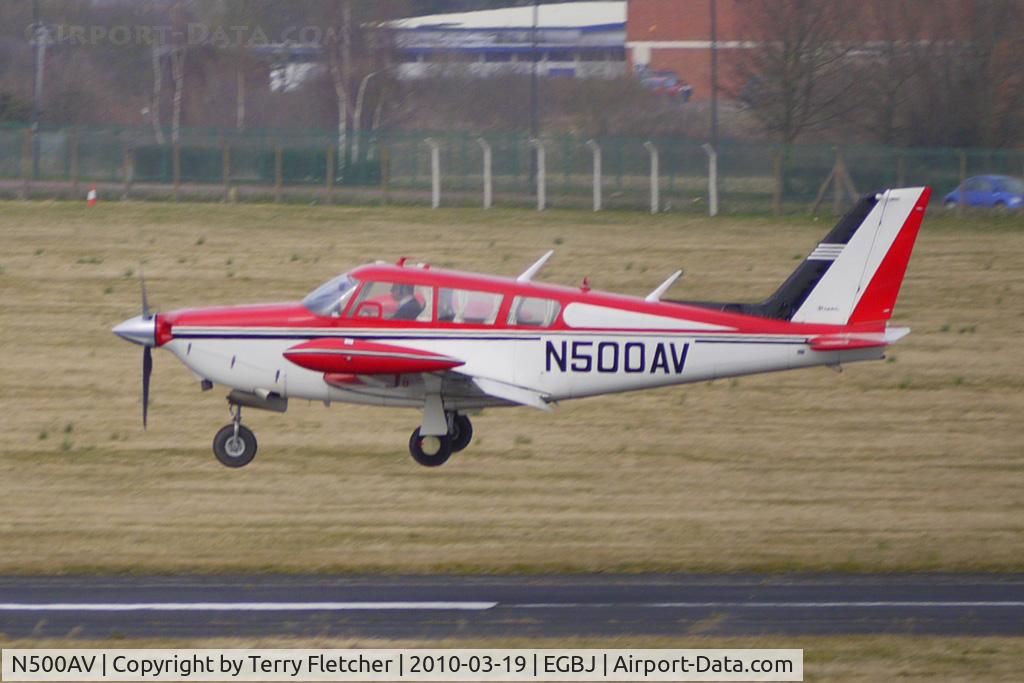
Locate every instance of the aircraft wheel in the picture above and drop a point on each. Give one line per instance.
(430, 451)
(234, 451)
(461, 433)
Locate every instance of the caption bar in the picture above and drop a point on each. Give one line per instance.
(402, 665)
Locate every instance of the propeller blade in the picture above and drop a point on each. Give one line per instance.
(145, 300)
(147, 369)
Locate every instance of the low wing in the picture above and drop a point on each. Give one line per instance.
(348, 363)
(458, 384)
(512, 393)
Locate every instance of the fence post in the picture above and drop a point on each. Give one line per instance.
(278, 171)
(542, 199)
(26, 163)
(837, 197)
(655, 179)
(435, 172)
(129, 172)
(385, 174)
(596, 149)
(329, 175)
(963, 179)
(712, 179)
(74, 163)
(176, 162)
(777, 184)
(488, 180)
(225, 166)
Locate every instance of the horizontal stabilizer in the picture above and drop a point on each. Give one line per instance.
(864, 340)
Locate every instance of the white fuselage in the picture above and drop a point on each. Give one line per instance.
(556, 364)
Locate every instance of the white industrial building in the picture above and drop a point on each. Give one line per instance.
(573, 39)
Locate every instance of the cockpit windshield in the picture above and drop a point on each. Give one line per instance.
(329, 299)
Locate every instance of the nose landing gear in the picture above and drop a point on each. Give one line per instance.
(432, 451)
(235, 444)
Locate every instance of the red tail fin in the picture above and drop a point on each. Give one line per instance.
(879, 298)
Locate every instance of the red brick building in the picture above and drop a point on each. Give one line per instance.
(675, 35)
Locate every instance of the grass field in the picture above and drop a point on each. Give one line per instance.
(910, 464)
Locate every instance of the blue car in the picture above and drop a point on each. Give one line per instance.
(988, 191)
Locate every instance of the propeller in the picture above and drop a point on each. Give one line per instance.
(141, 330)
(147, 351)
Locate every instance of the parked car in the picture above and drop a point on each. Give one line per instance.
(667, 83)
(988, 191)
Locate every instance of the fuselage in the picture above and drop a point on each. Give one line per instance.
(557, 341)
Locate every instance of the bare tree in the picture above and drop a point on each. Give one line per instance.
(971, 75)
(178, 75)
(793, 75)
(339, 60)
(358, 50)
(154, 105)
(885, 68)
(232, 25)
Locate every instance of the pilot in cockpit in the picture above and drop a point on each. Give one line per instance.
(409, 307)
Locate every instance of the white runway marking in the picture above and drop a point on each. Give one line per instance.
(773, 605)
(476, 606)
(239, 606)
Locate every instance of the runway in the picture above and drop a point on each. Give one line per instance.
(433, 607)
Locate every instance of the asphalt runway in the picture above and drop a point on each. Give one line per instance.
(432, 607)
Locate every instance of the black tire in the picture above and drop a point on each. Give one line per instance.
(232, 453)
(430, 459)
(461, 434)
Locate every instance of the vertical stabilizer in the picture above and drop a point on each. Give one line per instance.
(860, 279)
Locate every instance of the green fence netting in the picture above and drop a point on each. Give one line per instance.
(752, 176)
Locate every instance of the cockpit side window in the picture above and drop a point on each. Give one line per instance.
(467, 306)
(329, 299)
(394, 301)
(533, 312)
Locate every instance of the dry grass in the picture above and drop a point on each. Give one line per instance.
(845, 659)
(912, 464)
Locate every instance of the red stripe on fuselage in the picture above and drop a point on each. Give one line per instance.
(295, 317)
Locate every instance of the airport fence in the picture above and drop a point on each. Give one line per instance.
(463, 169)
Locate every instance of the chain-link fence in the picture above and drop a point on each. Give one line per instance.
(664, 174)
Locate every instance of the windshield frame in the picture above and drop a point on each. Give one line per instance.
(330, 299)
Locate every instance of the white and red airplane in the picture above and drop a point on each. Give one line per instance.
(448, 342)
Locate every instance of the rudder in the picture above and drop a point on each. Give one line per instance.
(863, 278)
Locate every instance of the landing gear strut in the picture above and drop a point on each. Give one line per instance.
(432, 451)
(235, 444)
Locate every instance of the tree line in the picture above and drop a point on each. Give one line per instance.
(893, 72)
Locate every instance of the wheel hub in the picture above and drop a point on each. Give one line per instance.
(430, 445)
(234, 446)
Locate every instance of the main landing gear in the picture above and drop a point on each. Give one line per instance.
(431, 451)
(235, 444)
